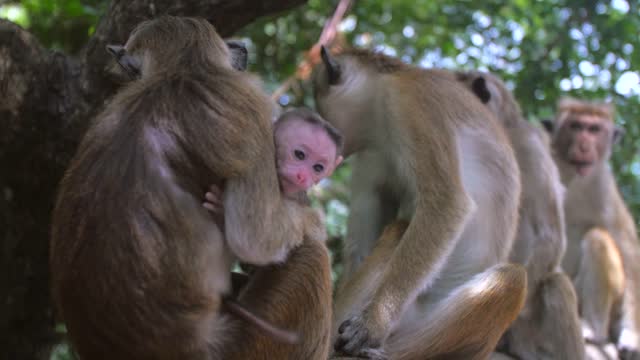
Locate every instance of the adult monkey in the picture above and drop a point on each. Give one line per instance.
(430, 163)
(603, 256)
(548, 327)
(139, 268)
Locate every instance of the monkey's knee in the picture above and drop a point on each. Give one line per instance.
(509, 285)
(558, 291)
(602, 258)
(505, 278)
(392, 234)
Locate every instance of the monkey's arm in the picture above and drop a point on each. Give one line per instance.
(442, 210)
(629, 339)
(260, 225)
(370, 211)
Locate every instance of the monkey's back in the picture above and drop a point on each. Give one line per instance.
(136, 261)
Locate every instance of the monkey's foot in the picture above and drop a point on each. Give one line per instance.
(355, 340)
(627, 345)
(629, 354)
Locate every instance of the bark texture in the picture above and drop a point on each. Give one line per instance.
(46, 102)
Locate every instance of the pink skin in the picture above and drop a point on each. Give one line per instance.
(587, 143)
(305, 154)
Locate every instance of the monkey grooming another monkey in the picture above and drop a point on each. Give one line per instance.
(143, 275)
(548, 327)
(432, 166)
(603, 255)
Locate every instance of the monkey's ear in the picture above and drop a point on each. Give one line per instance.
(618, 134)
(333, 68)
(547, 124)
(239, 54)
(479, 87)
(130, 64)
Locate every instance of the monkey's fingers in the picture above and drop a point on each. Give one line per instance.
(215, 189)
(209, 207)
(211, 197)
(353, 339)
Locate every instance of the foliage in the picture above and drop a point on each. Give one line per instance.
(64, 25)
(542, 49)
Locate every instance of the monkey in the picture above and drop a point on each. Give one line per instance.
(426, 153)
(139, 269)
(549, 326)
(603, 256)
(308, 149)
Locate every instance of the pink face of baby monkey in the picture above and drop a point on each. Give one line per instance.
(306, 154)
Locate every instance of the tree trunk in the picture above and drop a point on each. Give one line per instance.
(46, 101)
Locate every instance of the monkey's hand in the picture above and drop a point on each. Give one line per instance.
(213, 203)
(213, 200)
(357, 338)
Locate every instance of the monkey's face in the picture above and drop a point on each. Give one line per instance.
(583, 141)
(305, 155)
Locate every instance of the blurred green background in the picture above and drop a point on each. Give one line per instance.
(543, 49)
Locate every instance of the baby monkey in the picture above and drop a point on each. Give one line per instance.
(308, 149)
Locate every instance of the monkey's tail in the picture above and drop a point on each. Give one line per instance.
(285, 336)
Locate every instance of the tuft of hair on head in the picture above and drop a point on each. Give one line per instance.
(180, 43)
(309, 116)
(380, 62)
(568, 105)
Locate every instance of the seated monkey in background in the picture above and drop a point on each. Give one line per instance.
(142, 275)
(603, 254)
(431, 168)
(548, 327)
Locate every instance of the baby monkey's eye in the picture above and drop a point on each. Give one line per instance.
(318, 168)
(299, 154)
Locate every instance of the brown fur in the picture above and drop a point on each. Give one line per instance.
(138, 266)
(425, 152)
(548, 327)
(595, 214)
(304, 279)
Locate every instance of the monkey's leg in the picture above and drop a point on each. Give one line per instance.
(549, 326)
(295, 296)
(370, 211)
(357, 290)
(599, 283)
(468, 323)
(561, 323)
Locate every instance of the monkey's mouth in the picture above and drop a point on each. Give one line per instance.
(289, 187)
(582, 166)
